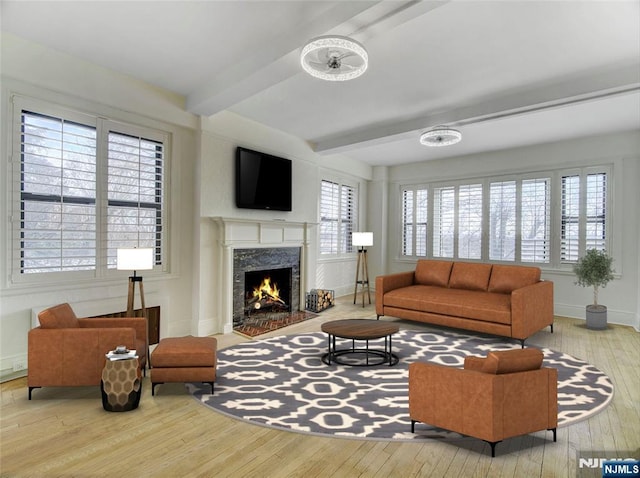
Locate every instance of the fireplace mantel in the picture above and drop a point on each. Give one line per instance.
(262, 233)
(236, 233)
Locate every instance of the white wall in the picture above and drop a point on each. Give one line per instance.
(31, 70)
(621, 150)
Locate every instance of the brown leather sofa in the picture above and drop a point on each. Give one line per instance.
(67, 351)
(504, 395)
(505, 300)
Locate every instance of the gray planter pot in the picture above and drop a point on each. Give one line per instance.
(596, 317)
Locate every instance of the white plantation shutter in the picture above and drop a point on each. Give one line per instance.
(596, 211)
(570, 228)
(329, 214)
(338, 213)
(502, 221)
(134, 193)
(444, 222)
(535, 221)
(470, 221)
(584, 214)
(414, 222)
(347, 217)
(57, 194)
(408, 221)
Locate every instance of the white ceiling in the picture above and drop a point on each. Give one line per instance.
(504, 73)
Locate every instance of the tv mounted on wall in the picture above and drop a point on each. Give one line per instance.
(263, 181)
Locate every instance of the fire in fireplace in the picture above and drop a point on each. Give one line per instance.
(267, 291)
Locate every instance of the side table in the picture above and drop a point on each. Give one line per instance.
(121, 386)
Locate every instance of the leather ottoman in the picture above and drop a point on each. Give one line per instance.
(184, 359)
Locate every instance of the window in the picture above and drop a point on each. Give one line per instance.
(134, 211)
(502, 221)
(519, 205)
(470, 221)
(584, 212)
(443, 221)
(338, 213)
(515, 215)
(535, 221)
(457, 221)
(57, 195)
(79, 201)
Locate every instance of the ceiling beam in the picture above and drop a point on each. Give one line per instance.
(278, 60)
(268, 64)
(562, 93)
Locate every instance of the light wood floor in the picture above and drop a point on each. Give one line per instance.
(65, 431)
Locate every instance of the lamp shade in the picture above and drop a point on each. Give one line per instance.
(362, 239)
(134, 259)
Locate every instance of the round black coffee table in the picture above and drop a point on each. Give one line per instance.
(360, 330)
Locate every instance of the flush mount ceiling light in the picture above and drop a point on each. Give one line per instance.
(440, 136)
(334, 58)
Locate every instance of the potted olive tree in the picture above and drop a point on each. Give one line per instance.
(594, 270)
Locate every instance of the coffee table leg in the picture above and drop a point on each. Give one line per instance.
(328, 362)
(367, 345)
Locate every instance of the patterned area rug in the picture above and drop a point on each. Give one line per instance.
(263, 323)
(281, 382)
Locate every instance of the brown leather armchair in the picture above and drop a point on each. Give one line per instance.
(67, 351)
(506, 394)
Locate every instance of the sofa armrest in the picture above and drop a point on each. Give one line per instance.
(388, 283)
(76, 356)
(531, 309)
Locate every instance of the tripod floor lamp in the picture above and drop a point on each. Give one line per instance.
(362, 240)
(135, 259)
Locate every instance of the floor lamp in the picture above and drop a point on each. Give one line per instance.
(361, 240)
(135, 259)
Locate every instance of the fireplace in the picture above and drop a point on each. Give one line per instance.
(251, 268)
(267, 291)
(255, 244)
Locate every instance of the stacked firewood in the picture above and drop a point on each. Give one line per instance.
(320, 299)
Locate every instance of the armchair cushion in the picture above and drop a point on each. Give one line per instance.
(58, 317)
(506, 361)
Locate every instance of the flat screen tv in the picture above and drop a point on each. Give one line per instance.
(263, 181)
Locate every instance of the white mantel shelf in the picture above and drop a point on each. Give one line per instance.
(239, 233)
(234, 233)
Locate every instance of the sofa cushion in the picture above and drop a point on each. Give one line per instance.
(511, 361)
(505, 279)
(58, 317)
(470, 276)
(469, 304)
(433, 272)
